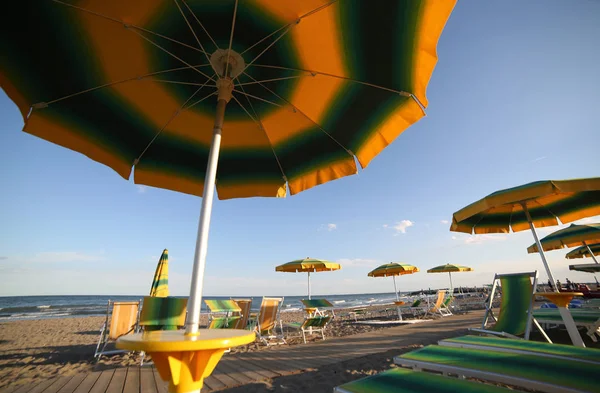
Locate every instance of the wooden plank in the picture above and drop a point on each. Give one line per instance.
(88, 382)
(103, 381)
(237, 377)
(161, 386)
(118, 381)
(147, 381)
(213, 384)
(21, 388)
(286, 364)
(57, 384)
(73, 383)
(252, 371)
(259, 368)
(42, 386)
(132, 380)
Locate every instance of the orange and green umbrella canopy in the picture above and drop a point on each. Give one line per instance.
(584, 251)
(308, 265)
(160, 282)
(537, 204)
(450, 268)
(393, 269)
(131, 84)
(571, 236)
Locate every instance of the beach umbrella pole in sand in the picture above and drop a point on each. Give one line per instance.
(541, 251)
(308, 285)
(192, 323)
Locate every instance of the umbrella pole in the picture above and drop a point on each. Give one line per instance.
(451, 291)
(192, 322)
(397, 298)
(308, 285)
(590, 251)
(539, 245)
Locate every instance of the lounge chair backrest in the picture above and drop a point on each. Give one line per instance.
(163, 313)
(316, 322)
(222, 305)
(416, 303)
(124, 319)
(440, 299)
(515, 304)
(269, 311)
(244, 305)
(316, 303)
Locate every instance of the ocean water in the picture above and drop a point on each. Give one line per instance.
(42, 307)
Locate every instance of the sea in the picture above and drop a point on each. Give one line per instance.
(43, 307)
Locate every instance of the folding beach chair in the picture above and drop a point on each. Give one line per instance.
(415, 308)
(315, 307)
(439, 307)
(312, 324)
(124, 318)
(515, 316)
(163, 313)
(221, 314)
(267, 319)
(245, 305)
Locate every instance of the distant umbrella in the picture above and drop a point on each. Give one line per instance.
(394, 269)
(449, 268)
(160, 283)
(308, 265)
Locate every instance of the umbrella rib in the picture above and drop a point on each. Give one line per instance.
(272, 80)
(43, 104)
(172, 55)
(290, 24)
(192, 30)
(287, 29)
(303, 114)
(202, 99)
(256, 98)
(125, 24)
(200, 23)
(262, 127)
(181, 82)
(231, 37)
(177, 112)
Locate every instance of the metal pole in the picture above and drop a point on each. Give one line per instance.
(539, 245)
(451, 291)
(590, 251)
(308, 285)
(192, 322)
(397, 299)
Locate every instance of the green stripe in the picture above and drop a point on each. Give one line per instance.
(515, 303)
(316, 303)
(579, 316)
(575, 375)
(158, 312)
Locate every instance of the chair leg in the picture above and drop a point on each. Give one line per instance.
(304, 336)
(541, 330)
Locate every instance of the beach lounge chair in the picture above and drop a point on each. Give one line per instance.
(439, 307)
(245, 305)
(315, 307)
(509, 345)
(121, 318)
(221, 314)
(311, 324)
(415, 309)
(267, 320)
(587, 318)
(163, 313)
(515, 316)
(528, 371)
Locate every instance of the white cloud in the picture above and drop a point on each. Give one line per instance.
(538, 159)
(445, 222)
(141, 189)
(331, 227)
(400, 226)
(479, 239)
(358, 262)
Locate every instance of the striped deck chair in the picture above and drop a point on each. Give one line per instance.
(163, 313)
(316, 307)
(439, 307)
(515, 317)
(124, 319)
(587, 318)
(267, 320)
(415, 308)
(526, 371)
(222, 314)
(517, 346)
(245, 305)
(312, 324)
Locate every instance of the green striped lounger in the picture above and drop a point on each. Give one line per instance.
(401, 380)
(557, 351)
(526, 371)
(590, 319)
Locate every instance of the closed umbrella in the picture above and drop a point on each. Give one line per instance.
(394, 269)
(450, 268)
(160, 282)
(308, 265)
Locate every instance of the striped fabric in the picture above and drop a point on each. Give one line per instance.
(160, 282)
(581, 317)
(572, 236)
(393, 269)
(514, 305)
(129, 84)
(123, 320)
(547, 202)
(222, 306)
(244, 305)
(316, 303)
(268, 314)
(525, 346)
(583, 252)
(163, 313)
(308, 265)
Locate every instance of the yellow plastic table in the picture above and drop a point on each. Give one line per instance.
(561, 300)
(185, 360)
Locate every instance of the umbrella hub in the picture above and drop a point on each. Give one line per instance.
(227, 63)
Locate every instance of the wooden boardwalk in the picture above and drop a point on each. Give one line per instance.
(241, 369)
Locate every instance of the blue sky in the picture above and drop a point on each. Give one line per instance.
(514, 98)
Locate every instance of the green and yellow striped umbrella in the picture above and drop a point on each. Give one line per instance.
(393, 269)
(308, 265)
(160, 282)
(537, 204)
(584, 251)
(273, 95)
(450, 268)
(572, 236)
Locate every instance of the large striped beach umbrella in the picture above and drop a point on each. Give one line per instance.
(537, 204)
(394, 269)
(255, 97)
(160, 282)
(308, 265)
(571, 236)
(450, 268)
